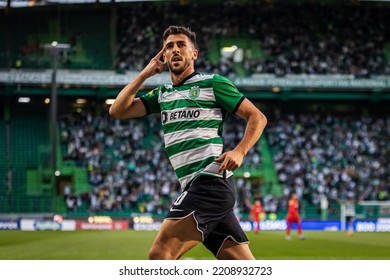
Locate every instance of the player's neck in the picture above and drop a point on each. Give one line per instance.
(177, 79)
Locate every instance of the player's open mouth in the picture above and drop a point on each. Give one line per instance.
(176, 58)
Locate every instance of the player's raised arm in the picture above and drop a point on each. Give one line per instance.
(126, 105)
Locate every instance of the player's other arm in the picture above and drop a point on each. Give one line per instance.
(256, 122)
(126, 105)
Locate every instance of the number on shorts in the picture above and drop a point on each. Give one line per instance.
(180, 199)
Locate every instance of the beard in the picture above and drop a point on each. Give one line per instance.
(177, 70)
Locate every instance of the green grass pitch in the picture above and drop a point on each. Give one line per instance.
(133, 245)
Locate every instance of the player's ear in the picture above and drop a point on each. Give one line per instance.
(195, 54)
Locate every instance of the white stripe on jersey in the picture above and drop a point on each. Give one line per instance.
(205, 94)
(196, 154)
(187, 134)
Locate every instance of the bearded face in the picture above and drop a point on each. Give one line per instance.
(180, 53)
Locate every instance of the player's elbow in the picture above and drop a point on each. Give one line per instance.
(260, 119)
(264, 119)
(114, 112)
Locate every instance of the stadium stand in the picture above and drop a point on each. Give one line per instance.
(286, 39)
(340, 156)
(113, 152)
(116, 153)
(334, 155)
(121, 166)
(313, 154)
(280, 39)
(31, 28)
(27, 134)
(3, 152)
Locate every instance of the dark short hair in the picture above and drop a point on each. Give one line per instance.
(174, 30)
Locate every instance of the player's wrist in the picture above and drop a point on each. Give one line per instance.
(143, 75)
(241, 151)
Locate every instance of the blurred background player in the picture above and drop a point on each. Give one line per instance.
(349, 206)
(293, 217)
(350, 215)
(256, 212)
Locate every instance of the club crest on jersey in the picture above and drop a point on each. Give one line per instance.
(194, 92)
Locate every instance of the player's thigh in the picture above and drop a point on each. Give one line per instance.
(183, 229)
(176, 236)
(234, 251)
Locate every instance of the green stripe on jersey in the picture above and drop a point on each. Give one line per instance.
(186, 103)
(193, 167)
(171, 127)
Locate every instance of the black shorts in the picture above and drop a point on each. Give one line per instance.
(211, 201)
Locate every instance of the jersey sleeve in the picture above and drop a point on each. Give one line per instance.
(150, 101)
(226, 94)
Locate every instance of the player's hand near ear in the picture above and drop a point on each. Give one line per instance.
(126, 105)
(155, 66)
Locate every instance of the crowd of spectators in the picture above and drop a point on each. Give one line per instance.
(123, 161)
(320, 156)
(294, 39)
(127, 165)
(331, 156)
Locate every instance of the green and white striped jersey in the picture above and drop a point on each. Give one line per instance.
(192, 117)
(350, 209)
